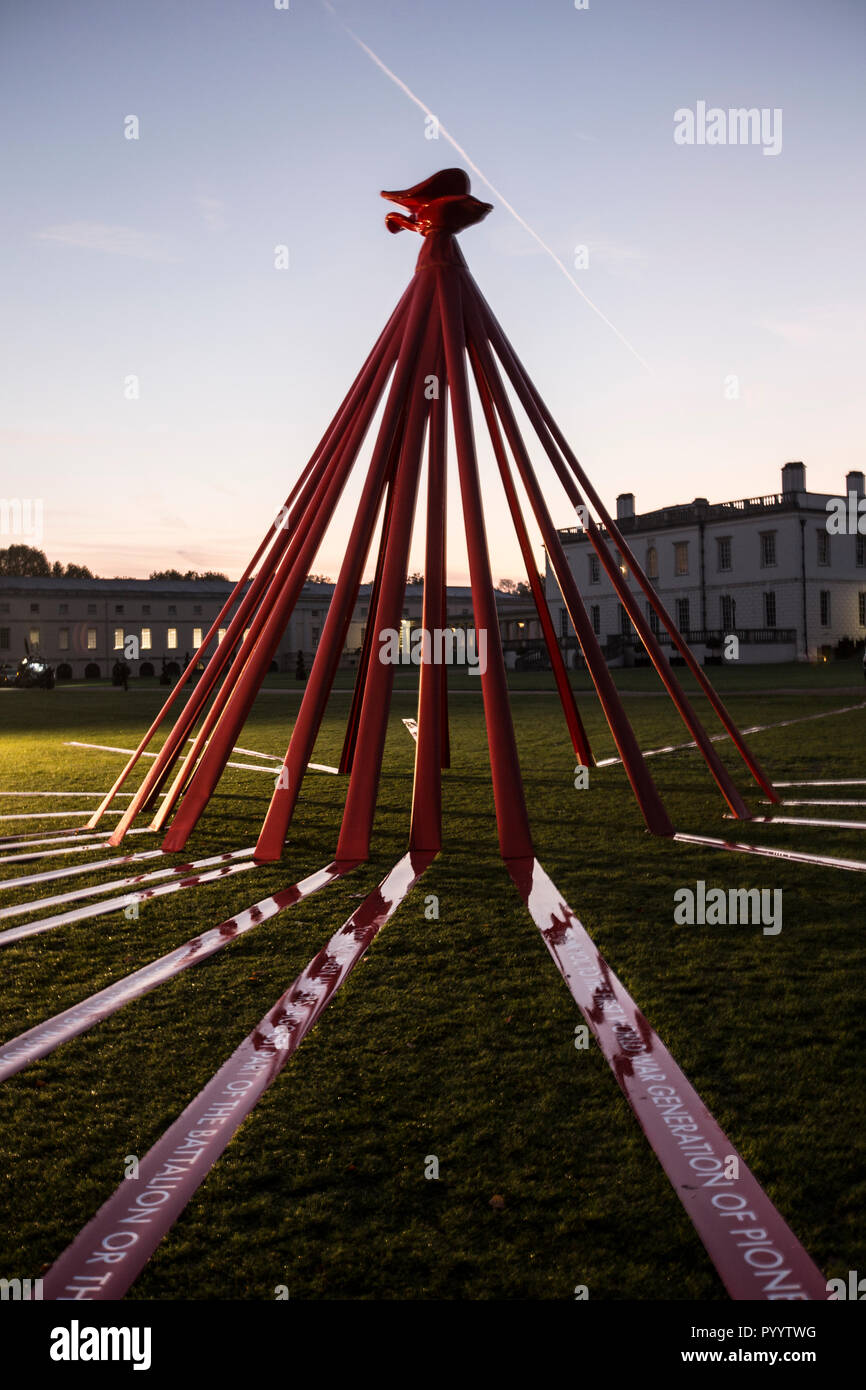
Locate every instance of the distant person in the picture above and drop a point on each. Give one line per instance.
(164, 677)
(120, 674)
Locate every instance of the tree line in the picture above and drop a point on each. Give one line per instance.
(26, 562)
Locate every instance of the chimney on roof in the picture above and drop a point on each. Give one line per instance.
(794, 477)
(854, 482)
(624, 506)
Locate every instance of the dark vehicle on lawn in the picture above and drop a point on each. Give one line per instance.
(34, 672)
(535, 659)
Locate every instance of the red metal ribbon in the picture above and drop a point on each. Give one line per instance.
(748, 1241)
(107, 1256)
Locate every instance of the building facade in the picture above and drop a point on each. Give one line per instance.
(82, 626)
(766, 570)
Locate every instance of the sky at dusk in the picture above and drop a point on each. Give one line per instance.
(261, 126)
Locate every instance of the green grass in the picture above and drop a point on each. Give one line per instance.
(732, 677)
(453, 1037)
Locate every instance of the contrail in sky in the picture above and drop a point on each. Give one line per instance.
(398, 82)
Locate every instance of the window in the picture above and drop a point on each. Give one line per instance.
(652, 562)
(196, 608)
(34, 637)
(221, 634)
(196, 637)
(171, 639)
(145, 610)
(681, 557)
(594, 572)
(683, 614)
(118, 609)
(63, 639)
(653, 619)
(768, 549)
(91, 610)
(595, 612)
(146, 642)
(729, 613)
(823, 539)
(4, 607)
(825, 607)
(624, 622)
(172, 610)
(861, 552)
(118, 639)
(4, 639)
(862, 601)
(723, 552)
(34, 608)
(563, 622)
(64, 609)
(314, 633)
(769, 610)
(91, 639)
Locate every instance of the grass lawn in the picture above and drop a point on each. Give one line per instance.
(454, 1037)
(732, 678)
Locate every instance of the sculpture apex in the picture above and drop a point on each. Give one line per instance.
(441, 203)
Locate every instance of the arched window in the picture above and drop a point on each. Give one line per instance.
(652, 562)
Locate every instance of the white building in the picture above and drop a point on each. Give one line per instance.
(458, 603)
(82, 626)
(766, 569)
